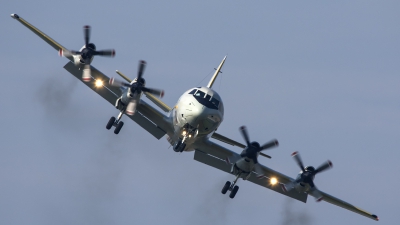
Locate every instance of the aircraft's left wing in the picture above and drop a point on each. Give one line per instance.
(42, 35)
(147, 117)
(215, 155)
(333, 200)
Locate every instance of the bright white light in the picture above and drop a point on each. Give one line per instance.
(273, 181)
(184, 133)
(99, 83)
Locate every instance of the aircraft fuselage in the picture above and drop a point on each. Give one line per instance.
(198, 113)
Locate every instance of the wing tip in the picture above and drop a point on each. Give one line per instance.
(375, 217)
(15, 16)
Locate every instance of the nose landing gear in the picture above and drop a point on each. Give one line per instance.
(180, 145)
(187, 133)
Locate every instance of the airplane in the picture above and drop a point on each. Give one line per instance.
(191, 125)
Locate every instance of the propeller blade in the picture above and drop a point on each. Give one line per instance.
(109, 52)
(131, 108)
(68, 53)
(255, 160)
(86, 33)
(117, 83)
(297, 158)
(86, 73)
(231, 160)
(287, 187)
(154, 91)
(142, 65)
(258, 170)
(270, 144)
(265, 155)
(326, 165)
(245, 135)
(317, 194)
(311, 183)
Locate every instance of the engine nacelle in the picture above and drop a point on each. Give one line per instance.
(78, 60)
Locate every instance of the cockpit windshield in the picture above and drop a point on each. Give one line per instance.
(205, 99)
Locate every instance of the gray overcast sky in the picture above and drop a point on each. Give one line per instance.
(321, 77)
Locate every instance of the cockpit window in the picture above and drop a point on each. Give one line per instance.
(205, 99)
(192, 91)
(215, 102)
(199, 94)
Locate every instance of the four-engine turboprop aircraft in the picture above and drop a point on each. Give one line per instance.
(189, 126)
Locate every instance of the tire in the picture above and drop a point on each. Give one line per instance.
(176, 147)
(182, 147)
(226, 187)
(110, 123)
(233, 192)
(118, 128)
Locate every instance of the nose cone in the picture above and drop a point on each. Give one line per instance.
(198, 116)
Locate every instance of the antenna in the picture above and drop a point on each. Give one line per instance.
(217, 71)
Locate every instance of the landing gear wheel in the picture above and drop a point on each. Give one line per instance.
(176, 147)
(233, 192)
(226, 187)
(110, 123)
(182, 147)
(118, 128)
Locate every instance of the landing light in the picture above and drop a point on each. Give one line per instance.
(273, 181)
(99, 83)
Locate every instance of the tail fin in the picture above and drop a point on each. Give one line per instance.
(217, 71)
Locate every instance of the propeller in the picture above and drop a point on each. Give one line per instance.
(136, 88)
(253, 148)
(308, 174)
(87, 54)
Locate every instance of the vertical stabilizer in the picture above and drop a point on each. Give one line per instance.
(217, 71)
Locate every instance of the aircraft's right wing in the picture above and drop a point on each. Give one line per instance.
(329, 198)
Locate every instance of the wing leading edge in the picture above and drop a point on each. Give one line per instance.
(42, 35)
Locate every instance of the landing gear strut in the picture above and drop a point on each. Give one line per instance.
(116, 123)
(233, 188)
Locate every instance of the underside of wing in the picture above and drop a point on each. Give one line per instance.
(329, 198)
(267, 174)
(42, 35)
(147, 117)
(216, 156)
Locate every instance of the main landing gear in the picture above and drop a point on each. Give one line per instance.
(233, 188)
(116, 123)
